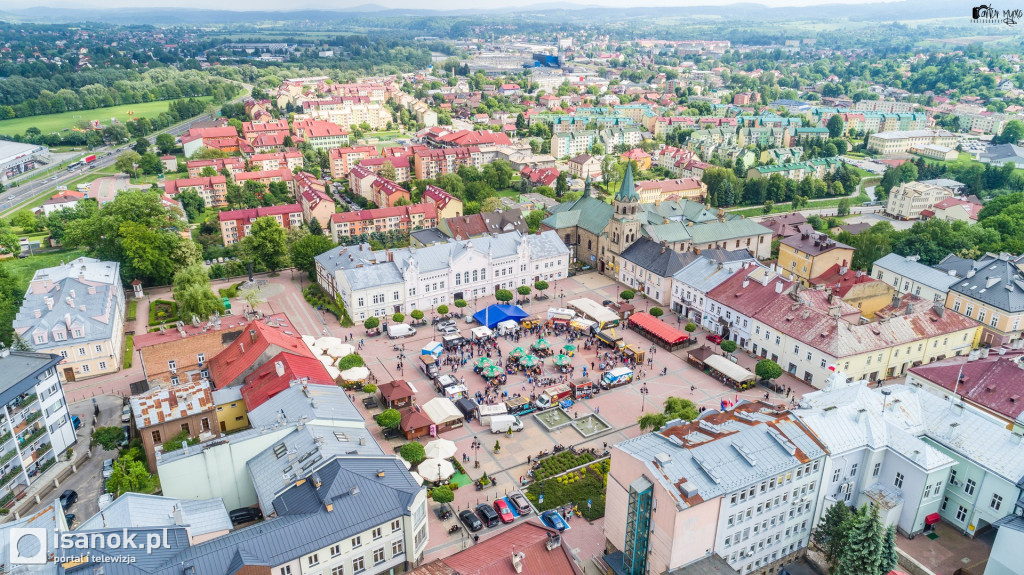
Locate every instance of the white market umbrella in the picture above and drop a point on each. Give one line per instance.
(327, 360)
(340, 350)
(436, 469)
(417, 477)
(440, 449)
(327, 342)
(355, 374)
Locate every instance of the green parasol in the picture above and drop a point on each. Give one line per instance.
(484, 362)
(561, 359)
(529, 360)
(517, 352)
(491, 371)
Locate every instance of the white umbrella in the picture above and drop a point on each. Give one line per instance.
(440, 449)
(355, 374)
(327, 360)
(436, 469)
(326, 342)
(417, 477)
(340, 350)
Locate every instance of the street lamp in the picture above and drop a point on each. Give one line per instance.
(643, 395)
(475, 446)
(885, 397)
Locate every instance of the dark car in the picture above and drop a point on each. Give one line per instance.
(504, 511)
(607, 302)
(68, 498)
(245, 515)
(370, 402)
(714, 338)
(519, 501)
(553, 520)
(470, 520)
(70, 518)
(487, 514)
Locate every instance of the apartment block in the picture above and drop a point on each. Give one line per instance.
(235, 224)
(404, 219)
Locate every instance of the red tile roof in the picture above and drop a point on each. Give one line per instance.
(172, 187)
(250, 214)
(971, 208)
(494, 556)
(245, 352)
(750, 299)
(197, 133)
(429, 211)
(398, 389)
(465, 227)
(841, 279)
(276, 374)
(995, 382)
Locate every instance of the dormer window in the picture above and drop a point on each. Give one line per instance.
(77, 333)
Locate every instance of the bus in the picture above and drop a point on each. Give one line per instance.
(590, 309)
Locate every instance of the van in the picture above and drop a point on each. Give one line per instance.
(503, 423)
(397, 330)
(616, 377)
(507, 327)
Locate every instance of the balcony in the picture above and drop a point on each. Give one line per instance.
(32, 436)
(10, 475)
(23, 404)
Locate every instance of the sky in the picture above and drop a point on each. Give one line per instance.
(276, 5)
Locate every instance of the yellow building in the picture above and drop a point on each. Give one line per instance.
(806, 256)
(856, 288)
(230, 409)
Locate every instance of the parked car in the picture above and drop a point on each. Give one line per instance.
(488, 515)
(553, 520)
(504, 511)
(76, 422)
(392, 433)
(126, 414)
(470, 520)
(714, 338)
(68, 498)
(607, 302)
(520, 503)
(105, 500)
(245, 515)
(446, 324)
(448, 330)
(108, 468)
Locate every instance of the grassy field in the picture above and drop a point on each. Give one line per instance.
(23, 269)
(56, 122)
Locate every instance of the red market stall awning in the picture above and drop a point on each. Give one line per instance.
(657, 328)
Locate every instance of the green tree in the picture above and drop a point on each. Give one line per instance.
(503, 295)
(541, 286)
(141, 146)
(442, 494)
(627, 295)
(126, 162)
(369, 388)
(412, 452)
(416, 314)
(863, 549)
(304, 250)
(1013, 132)
(107, 437)
(193, 294)
(523, 290)
(398, 318)
(767, 369)
(461, 303)
(442, 310)
(387, 170)
(315, 228)
(691, 327)
(652, 421)
(351, 360)
(266, 243)
(371, 323)
(191, 203)
(678, 408)
(129, 476)
(150, 164)
(533, 220)
(830, 535)
(657, 312)
(561, 185)
(728, 345)
(165, 143)
(9, 241)
(835, 126)
(843, 209)
(768, 207)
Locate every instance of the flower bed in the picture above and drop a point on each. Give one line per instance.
(560, 463)
(576, 487)
(162, 311)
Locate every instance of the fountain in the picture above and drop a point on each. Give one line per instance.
(591, 425)
(553, 419)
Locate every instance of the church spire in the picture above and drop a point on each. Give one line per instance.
(586, 186)
(627, 191)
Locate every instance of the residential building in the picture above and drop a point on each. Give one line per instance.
(539, 176)
(445, 138)
(260, 341)
(232, 414)
(76, 310)
(288, 160)
(818, 167)
(213, 189)
(321, 134)
(405, 219)
(385, 282)
(647, 267)
(344, 159)
(657, 191)
(811, 330)
(585, 165)
(235, 224)
(448, 206)
(182, 354)
(431, 163)
(203, 520)
(197, 139)
(35, 415)
(252, 130)
(702, 274)
(856, 288)
(275, 377)
(63, 199)
(538, 549)
(749, 477)
(936, 152)
(907, 276)
(809, 255)
(990, 290)
(476, 225)
(162, 414)
(1002, 154)
(267, 177)
(314, 198)
(987, 460)
(730, 306)
(399, 163)
(990, 381)
(640, 157)
(956, 210)
(909, 199)
(233, 165)
(785, 225)
(386, 193)
(899, 142)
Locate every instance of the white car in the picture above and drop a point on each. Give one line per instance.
(126, 414)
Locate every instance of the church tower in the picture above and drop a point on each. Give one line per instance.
(624, 227)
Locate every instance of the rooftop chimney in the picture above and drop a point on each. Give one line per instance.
(252, 336)
(778, 287)
(39, 313)
(279, 368)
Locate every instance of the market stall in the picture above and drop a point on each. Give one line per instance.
(658, 331)
(697, 357)
(728, 372)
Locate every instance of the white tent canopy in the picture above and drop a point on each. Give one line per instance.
(340, 350)
(728, 368)
(441, 410)
(481, 332)
(440, 449)
(355, 374)
(326, 342)
(430, 469)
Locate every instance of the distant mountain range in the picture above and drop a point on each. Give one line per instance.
(878, 11)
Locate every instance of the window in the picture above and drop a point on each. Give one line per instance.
(878, 468)
(981, 315)
(172, 365)
(357, 542)
(421, 536)
(286, 570)
(397, 548)
(396, 525)
(103, 365)
(81, 351)
(835, 476)
(969, 486)
(335, 550)
(174, 380)
(970, 310)
(379, 556)
(899, 481)
(339, 570)
(927, 491)
(201, 357)
(313, 559)
(997, 502)
(377, 532)
(98, 348)
(952, 476)
(156, 437)
(358, 565)
(961, 513)
(853, 470)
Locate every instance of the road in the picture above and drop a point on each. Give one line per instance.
(105, 156)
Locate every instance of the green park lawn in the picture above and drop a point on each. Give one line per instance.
(56, 122)
(23, 269)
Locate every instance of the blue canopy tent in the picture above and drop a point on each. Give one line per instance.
(495, 314)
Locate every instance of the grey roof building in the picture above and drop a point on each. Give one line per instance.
(908, 275)
(1003, 153)
(427, 237)
(202, 519)
(991, 290)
